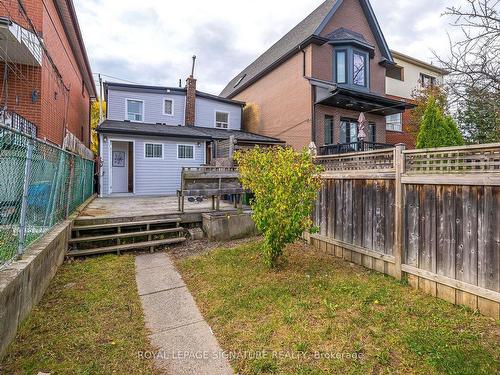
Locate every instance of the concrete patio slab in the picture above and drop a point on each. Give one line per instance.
(184, 339)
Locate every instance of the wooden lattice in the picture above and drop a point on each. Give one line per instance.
(358, 161)
(463, 159)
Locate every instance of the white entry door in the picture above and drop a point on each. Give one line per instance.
(119, 165)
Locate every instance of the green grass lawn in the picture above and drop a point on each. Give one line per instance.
(317, 314)
(89, 322)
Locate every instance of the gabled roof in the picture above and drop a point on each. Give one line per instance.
(173, 131)
(306, 32)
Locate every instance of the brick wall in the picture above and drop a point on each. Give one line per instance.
(61, 104)
(74, 105)
(338, 113)
(282, 100)
(407, 135)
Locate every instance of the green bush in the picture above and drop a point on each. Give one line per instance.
(437, 129)
(285, 184)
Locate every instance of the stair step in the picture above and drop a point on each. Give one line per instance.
(137, 245)
(124, 235)
(127, 224)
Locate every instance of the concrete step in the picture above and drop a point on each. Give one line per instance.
(124, 247)
(124, 235)
(126, 224)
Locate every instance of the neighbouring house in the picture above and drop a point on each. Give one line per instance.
(314, 82)
(151, 132)
(401, 81)
(45, 77)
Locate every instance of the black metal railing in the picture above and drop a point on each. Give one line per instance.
(341, 148)
(18, 122)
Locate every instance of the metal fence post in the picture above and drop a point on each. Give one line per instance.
(24, 201)
(70, 184)
(399, 166)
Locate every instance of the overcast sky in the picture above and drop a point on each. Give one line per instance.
(152, 41)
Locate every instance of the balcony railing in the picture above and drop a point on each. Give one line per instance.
(341, 148)
(16, 121)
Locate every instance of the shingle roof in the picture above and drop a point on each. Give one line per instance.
(172, 131)
(344, 34)
(309, 27)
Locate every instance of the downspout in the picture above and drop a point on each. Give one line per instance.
(313, 97)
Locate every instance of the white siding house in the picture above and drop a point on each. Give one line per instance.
(146, 140)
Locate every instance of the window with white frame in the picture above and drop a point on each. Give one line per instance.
(394, 122)
(221, 120)
(185, 152)
(135, 110)
(168, 107)
(153, 150)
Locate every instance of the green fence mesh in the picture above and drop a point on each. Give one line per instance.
(40, 185)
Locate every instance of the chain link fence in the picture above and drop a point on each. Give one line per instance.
(40, 185)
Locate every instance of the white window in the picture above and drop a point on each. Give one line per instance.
(185, 152)
(168, 107)
(135, 110)
(153, 150)
(394, 122)
(221, 120)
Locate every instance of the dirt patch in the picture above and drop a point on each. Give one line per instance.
(196, 247)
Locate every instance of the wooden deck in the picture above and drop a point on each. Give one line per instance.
(124, 209)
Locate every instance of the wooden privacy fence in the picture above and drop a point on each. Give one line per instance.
(431, 216)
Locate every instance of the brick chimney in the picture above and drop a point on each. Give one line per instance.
(190, 100)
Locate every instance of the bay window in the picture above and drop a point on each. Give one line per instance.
(350, 67)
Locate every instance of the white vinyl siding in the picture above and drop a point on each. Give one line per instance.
(221, 120)
(153, 150)
(205, 113)
(153, 106)
(185, 151)
(155, 176)
(135, 110)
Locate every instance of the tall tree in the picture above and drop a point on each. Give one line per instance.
(474, 68)
(437, 129)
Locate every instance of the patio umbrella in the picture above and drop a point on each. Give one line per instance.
(361, 126)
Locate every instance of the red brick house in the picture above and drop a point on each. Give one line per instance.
(314, 82)
(45, 77)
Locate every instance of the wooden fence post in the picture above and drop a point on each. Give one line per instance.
(399, 166)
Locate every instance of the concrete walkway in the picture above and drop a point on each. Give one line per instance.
(183, 339)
